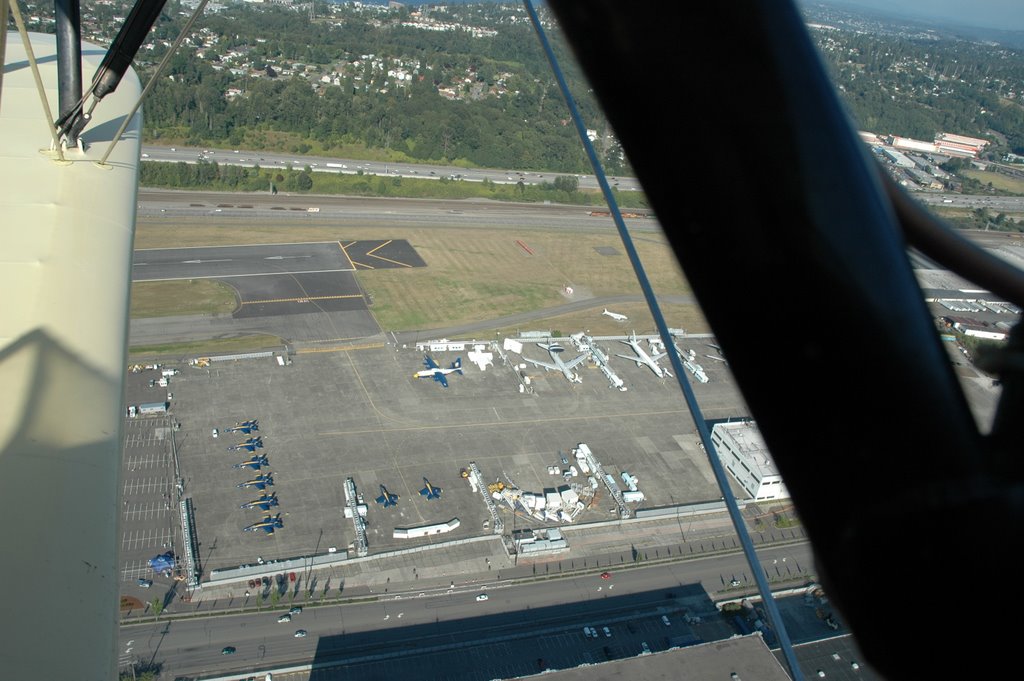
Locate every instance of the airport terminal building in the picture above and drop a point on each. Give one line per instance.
(743, 452)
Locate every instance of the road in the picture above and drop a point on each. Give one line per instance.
(406, 621)
(268, 159)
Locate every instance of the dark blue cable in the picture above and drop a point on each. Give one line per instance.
(691, 401)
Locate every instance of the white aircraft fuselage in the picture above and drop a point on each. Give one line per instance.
(555, 351)
(643, 359)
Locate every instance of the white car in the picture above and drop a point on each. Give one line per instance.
(285, 618)
(482, 597)
(607, 632)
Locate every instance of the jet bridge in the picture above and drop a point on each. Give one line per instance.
(362, 548)
(478, 478)
(583, 451)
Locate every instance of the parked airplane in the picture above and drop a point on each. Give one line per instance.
(430, 492)
(255, 462)
(643, 359)
(262, 481)
(245, 427)
(615, 315)
(556, 351)
(268, 524)
(387, 498)
(436, 372)
(250, 445)
(264, 503)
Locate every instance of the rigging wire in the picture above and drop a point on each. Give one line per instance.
(152, 81)
(23, 32)
(721, 478)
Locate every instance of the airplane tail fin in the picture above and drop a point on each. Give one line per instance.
(457, 365)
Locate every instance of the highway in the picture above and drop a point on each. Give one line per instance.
(323, 164)
(405, 622)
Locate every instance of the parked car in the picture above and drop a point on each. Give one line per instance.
(145, 583)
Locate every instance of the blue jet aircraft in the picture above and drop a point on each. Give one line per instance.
(256, 462)
(268, 524)
(387, 498)
(250, 445)
(259, 482)
(264, 503)
(436, 372)
(430, 492)
(245, 427)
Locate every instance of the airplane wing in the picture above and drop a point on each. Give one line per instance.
(429, 362)
(576, 362)
(546, 365)
(425, 491)
(66, 268)
(440, 378)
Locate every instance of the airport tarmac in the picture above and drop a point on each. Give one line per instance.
(332, 415)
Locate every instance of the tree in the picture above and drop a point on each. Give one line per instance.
(304, 182)
(567, 183)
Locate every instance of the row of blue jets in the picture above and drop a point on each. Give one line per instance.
(266, 501)
(387, 498)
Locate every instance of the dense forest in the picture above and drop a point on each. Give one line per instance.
(505, 111)
(915, 83)
(469, 84)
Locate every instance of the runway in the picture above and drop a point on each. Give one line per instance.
(314, 281)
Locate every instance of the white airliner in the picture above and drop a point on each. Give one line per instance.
(643, 359)
(615, 315)
(566, 368)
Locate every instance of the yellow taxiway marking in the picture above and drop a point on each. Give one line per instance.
(339, 348)
(381, 257)
(343, 248)
(369, 267)
(300, 300)
(500, 424)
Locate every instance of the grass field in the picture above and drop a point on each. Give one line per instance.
(998, 180)
(686, 317)
(471, 274)
(185, 351)
(194, 296)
